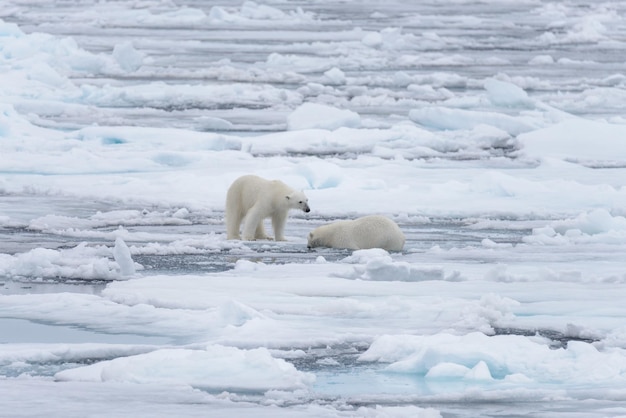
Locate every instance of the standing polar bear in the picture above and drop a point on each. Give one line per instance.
(373, 231)
(252, 199)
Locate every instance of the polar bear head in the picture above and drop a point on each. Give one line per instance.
(298, 200)
(313, 241)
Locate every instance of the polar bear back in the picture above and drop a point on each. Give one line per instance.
(250, 189)
(372, 231)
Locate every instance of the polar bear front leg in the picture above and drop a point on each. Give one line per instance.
(278, 223)
(252, 223)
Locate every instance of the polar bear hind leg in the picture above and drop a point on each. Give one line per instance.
(233, 222)
(260, 231)
(253, 224)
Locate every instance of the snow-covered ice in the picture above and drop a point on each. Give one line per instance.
(492, 132)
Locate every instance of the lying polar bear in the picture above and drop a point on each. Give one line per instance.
(372, 231)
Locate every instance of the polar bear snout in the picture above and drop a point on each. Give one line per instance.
(306, 208)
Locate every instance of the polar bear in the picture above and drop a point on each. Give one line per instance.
(372, 231)
(252, 199)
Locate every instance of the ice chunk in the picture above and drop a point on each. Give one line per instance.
(448, 370)
(384, 268)
(479, 372)
(214, 124)
(595, 222)
(376, 264)
(10, 29)
(317, 116)
(542, 60)
(372, 39)
(236, 313)
(128, 58)
(493, 358)
(506, 94)
(5, 123)
(81, 262)
(252, 10)
(181, 213)
(588, 142)
(363, 256)
(446, 118)
(215, 368)
(321, 174)
(596, 226)
(122, 256)
(157, 138)
(335, 76)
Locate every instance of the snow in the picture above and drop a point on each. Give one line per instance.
(492, 132)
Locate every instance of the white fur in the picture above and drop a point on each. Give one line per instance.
(251, 199)
(367, 232)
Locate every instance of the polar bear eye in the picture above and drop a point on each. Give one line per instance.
(300, 202)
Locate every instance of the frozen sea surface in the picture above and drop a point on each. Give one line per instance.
(491, 131)
(379, 60)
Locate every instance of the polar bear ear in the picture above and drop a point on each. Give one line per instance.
(288, 197)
